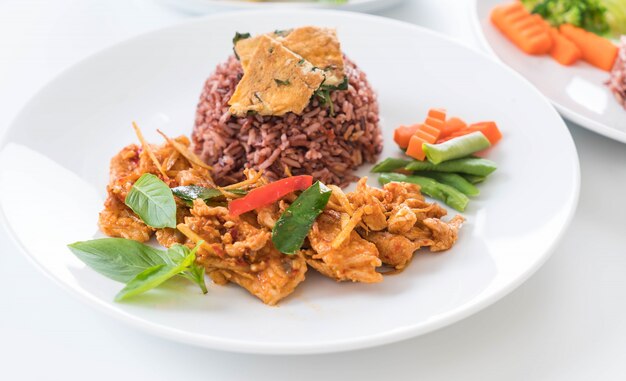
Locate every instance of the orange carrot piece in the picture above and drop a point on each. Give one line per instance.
(425, 136)
(435, 123)
(563, 50)
(524, 30)
(596, 50)
(489, 129)
(430, 130)
(452, 125)
(403, 134)
(415, 149)
(437, 113)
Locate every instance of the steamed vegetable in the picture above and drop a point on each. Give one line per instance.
(269, 193)
(451, 126)
(563, 50)
(152, 200)
(456, 148)
(596, 50)
(489, 129)
(454, 180)
(615, 16)
(449, 195)
(469, 165)
(402, 135)
(528, 32)
(390, 164)
(427, 132)
(590, 15)
(295, 223)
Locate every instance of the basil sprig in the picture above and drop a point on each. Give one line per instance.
(141, 266)
(152, 200)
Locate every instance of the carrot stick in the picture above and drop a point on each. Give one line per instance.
(524, 30)
(403, 134)
(489, 129)
(452, 125)
(596, 50)
(430, 130)
(437, 113)
(425, 136)
(563, 50)
(415, 149)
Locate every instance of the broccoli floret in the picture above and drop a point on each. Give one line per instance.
(587, 14)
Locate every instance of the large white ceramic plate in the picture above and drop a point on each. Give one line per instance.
(205, 6)
(54, 168)
(578, 91)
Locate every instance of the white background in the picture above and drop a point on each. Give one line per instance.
(568, 322)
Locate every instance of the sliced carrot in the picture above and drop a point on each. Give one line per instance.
(425, 136)
(563, 50)
(596, 50)
(489, 129)
(524, 30)
(430, 130)
(415, 148)
(437, 113)
(435, 123)
(452, 125)
(403, 134)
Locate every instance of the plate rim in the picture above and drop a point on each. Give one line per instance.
(341, 345)
(581, 120)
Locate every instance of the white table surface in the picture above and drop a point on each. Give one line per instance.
(568, 322)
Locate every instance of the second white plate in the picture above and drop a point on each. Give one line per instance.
(578, 91)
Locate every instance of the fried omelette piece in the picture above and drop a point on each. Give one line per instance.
(319, 46)
(279, 82)
(355, 259)
(238, 250)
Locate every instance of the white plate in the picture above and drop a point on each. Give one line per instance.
(206, 6)
(54, 168)
(578, 91)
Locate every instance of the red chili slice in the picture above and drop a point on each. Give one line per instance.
(268, 194)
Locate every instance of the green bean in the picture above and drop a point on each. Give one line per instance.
(456, 148)
(473, 178)
(454, 180)
(430, 187)
(469, 165)
(295, 223)
(390, 164)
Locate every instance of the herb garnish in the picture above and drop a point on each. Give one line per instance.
(240, 36)
(295, 223)
(192, 192)
(152, 200)
(141, 266)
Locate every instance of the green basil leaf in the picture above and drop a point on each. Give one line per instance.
(192, 192)
(195, 273)
(153, 277)
(118, 258)
(295, 223)
(152, 200)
